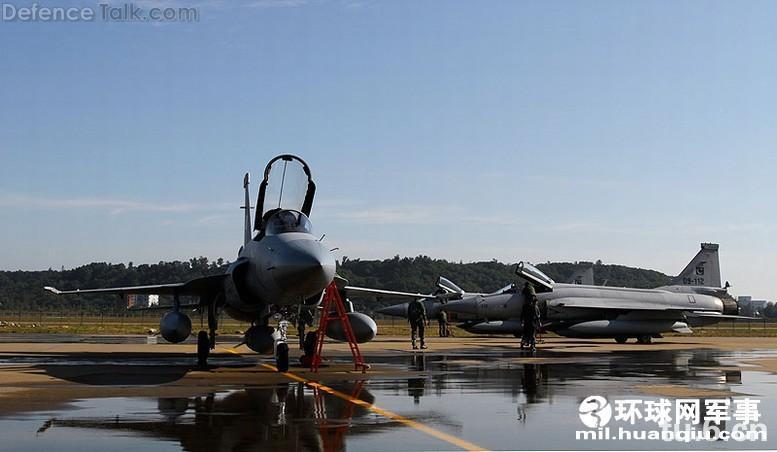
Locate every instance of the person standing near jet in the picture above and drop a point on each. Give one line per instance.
(529, 316)
(304, 319)
(442, 323)
(416, 315)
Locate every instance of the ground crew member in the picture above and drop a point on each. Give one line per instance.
(530, 317)
(304, 319)
(416, 315)
(442, 323)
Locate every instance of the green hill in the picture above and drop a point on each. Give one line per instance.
(23, 290)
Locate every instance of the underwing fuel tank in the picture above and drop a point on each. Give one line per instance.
(629, 328)
(261, 339)
(175, 327)
(494, 327)
(364, 328)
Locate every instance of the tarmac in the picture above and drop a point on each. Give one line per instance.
(474, 393)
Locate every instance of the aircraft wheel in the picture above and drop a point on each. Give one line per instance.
(203, 349)
(309, 345)
(644, 339)
(621, 339)
(282, 357)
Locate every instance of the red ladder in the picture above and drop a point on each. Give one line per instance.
(333, 310)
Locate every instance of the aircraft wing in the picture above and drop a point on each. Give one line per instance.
(622, 304)
(385, 293)
(196, 287)
(717, 315)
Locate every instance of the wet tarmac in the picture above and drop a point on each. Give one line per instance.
(451, 400)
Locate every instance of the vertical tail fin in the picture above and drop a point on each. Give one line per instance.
(703, 270)
(583, 274)
(247, 208)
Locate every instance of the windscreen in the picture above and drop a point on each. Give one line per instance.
(287, 221)
(287, 185)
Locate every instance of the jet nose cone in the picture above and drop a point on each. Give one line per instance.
(397, 310)
(304, 267)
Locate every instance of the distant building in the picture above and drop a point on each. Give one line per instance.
(750, 306)
(138, 301)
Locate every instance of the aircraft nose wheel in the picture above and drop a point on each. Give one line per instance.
(644, 339)
(203, 349)
(282, 357)
(621, 339)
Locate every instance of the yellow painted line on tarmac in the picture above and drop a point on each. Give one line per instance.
(230, 350)
(458, 442)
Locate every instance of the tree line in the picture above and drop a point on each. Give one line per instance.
(23, 290)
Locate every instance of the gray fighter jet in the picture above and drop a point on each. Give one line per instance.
(281, 269)
(694, 298)
(583, 274)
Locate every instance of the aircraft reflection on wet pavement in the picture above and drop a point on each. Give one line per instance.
(295, 417)
(272, 418)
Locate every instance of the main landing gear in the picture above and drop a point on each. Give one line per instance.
(203, 349)
(644, 339)
(206, 340)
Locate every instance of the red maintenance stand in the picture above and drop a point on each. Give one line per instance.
(334, 310)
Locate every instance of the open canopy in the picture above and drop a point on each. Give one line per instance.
(287, 185)
(529, 272)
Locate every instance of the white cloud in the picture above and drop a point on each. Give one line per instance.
(114, 206)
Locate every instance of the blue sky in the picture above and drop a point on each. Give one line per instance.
(623, 131)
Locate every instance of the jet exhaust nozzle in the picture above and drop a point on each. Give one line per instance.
(364, 328)
(175, 327)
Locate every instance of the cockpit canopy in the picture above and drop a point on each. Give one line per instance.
(284, 221)
(529, 272)
(287, 186)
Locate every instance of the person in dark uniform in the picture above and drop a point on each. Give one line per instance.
(530, 317)
(442, 323)
(416, 315)
(304, 319)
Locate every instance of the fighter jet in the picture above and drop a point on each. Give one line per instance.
(615, 312)
(279, 270)
(694, 298)
(583, 274)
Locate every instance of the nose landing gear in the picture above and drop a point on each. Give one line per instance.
(282, 348)
(282, 357)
